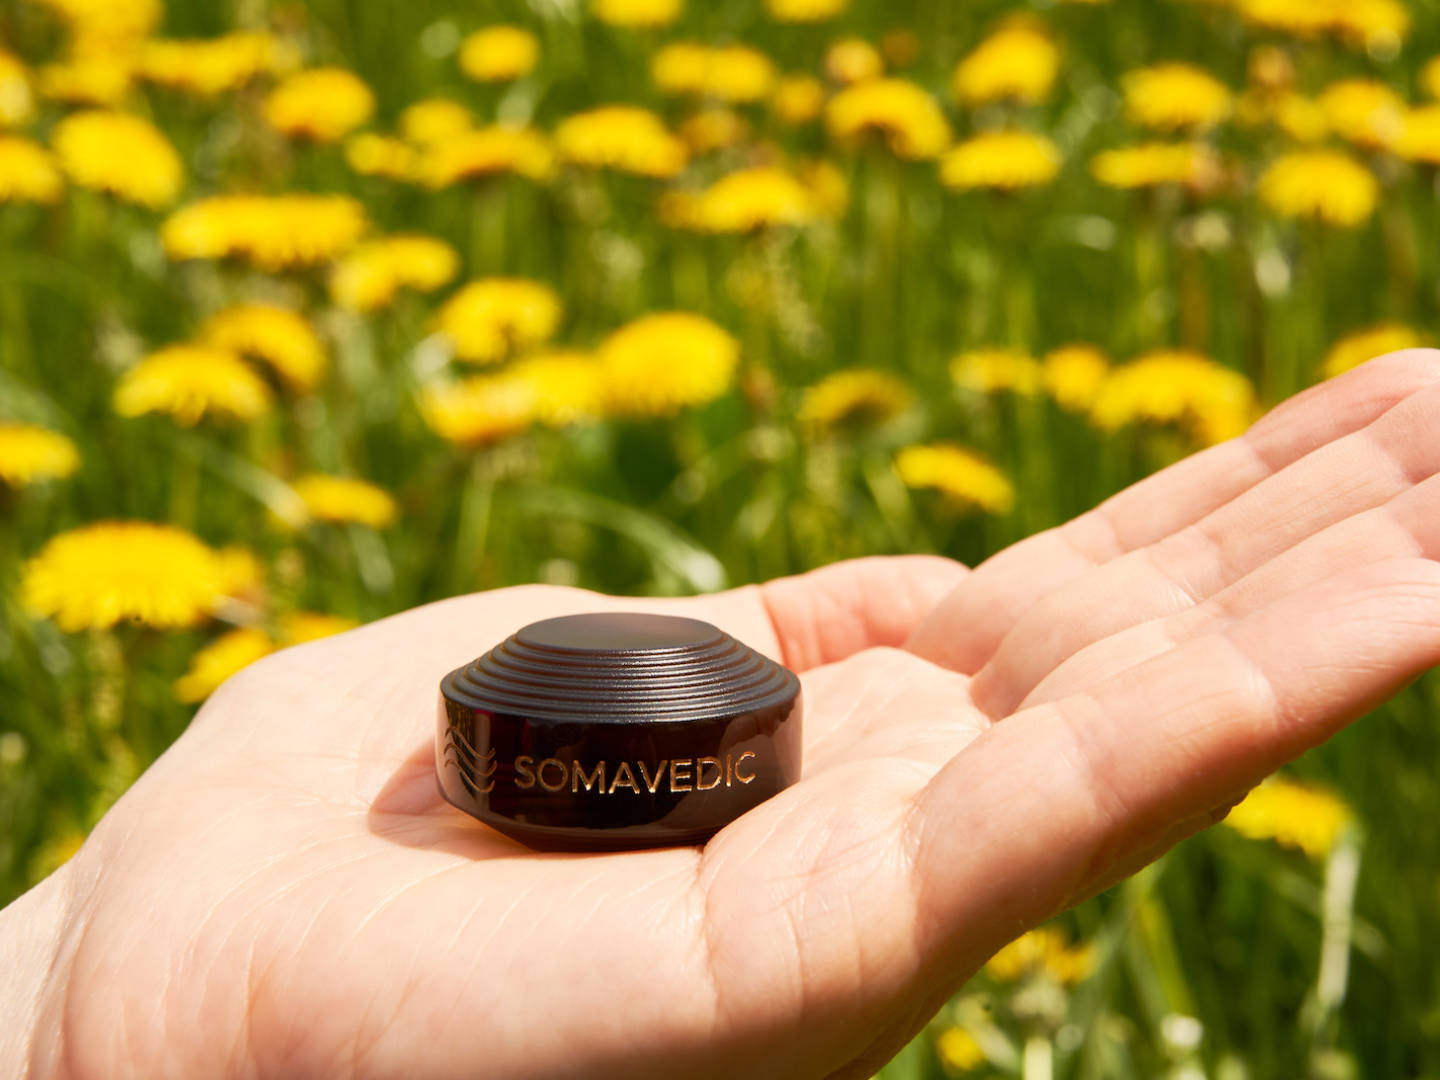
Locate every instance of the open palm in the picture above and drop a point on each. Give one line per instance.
(284, 892)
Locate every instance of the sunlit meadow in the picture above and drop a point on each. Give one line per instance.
(314, 311)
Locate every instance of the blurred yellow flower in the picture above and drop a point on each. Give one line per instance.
(961, 475)
(298, 627)
(275, 232)
(489, 151)
(1419, 139)
(1325, 185)
(369, 277)
(1177, 387)
(804, 11)
(27, 172)
(798, 99)
(480, 410)
(623, 137)
(17, 99)
(1002, 160)
(854, 398)
(370, 154)
(435, 120)
(499, 53)
(121, 154)
(493, 318)
(567, 384)
(992, 371)
(1193, 165)
(642, 13)
(1046, 950)
(342, 500)
(1018, 61)
(1299, 816)
(906, 116)
(30, 454)
(1175, 96)
(713, 129)
(765, 196)
(1364, 112)
(853, 60)
(957, 1050)
(1299, 117)
(323, 104)
(1430, 77)
(1073, 374)
(189, 381)
(112, 19)
(210, 66)
(222, 658)
(1376, 24)
(1355, 349)
(733, 73)
(94, 576)
(95, 79)
(661, 363)
(829, 190)
(278, 336)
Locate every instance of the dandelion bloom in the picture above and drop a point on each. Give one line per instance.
(907, 117)
(492, 318)
(1299, 816)
(499, 53)
(1325, 185)
(1364, 112)
(17, 99)
(961, 475)
(1177, 387)
(1044, 950)
(323, 104)
(115, 20)
(623, 137)
(30, 454)
(370, 154)
(96, 78)
(1355, 349)
(853, 60)
(1430, 77)
(370, 276)
(798, 99)
(567, 385)
(490, 151)
(210, 66)
(714, 129)
(661, 363)
(27, 172)
(480, 410)
(1019, 61)
(228, 654)
(1175, 96)
(121, 154)
(277, 336)
(992, 371)
(94, 576)
(1003, 160)
(189, 381)
(1374, 23)
(1072, 376)
(958, 1050)
(344, 500)
(857, 397)
(638, 13)
(804, 11)
(1299, 117)
(1193, 165)
(1419, 139)
(275, 232)
(733, 73)
(765, 196)
(435, 120)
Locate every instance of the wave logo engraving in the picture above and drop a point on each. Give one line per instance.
(477, 771)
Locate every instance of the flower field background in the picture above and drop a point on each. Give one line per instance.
(312, 312)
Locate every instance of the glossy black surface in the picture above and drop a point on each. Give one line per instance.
(610, 731)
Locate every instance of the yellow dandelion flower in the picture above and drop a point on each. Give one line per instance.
(1299, 816)
(17, 99)
(474, 155)
(993, 371)
(95, 576)
(733, 73)
(1175, 96)
(958, 1050)
(112, 19)
(121, 154)
(1002, 160)
(765, 196)
(1019, 61)
(493, 318)
(961, 475)
(567, 385)
(275, 232)
(435, 120)
(229, 653)
(1364, 112)
(1355, 349)
(709, 130)
(1044, 950)
(344, 500)
(1376, 24)
(30, 454)
(623, 137)
(1419, 139)
(370, 276)
(298, 627)
(27, 172)
(798, 99)
(1430, 77)
(661, 363)
(275, 335)
(370, 154)
(1073, 375)
(189, 381)
(906, 116)
(323, 104)
(857, 397)
(1193, 165)
(241, 574)
(1299, 117)
(499, 53)
(95, 79)
(804, 11)
(480, 410)
(637, 13)
(211, 66)
(1325, 185)
(1177, 387)
(853, 60)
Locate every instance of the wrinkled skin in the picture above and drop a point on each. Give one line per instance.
(284, 893)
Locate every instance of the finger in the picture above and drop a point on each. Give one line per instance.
(967, 628)
(1345, 477)
(1041, 808)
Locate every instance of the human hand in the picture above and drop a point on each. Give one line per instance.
(285, 892)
